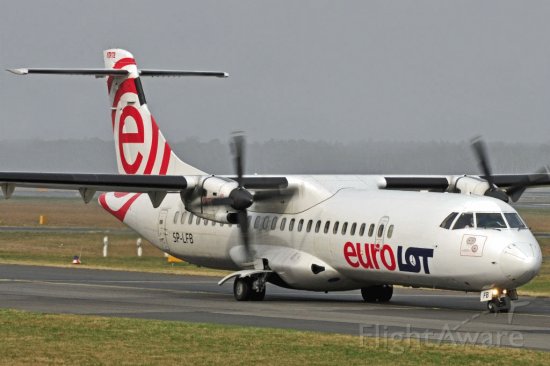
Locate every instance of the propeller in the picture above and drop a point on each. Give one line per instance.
(241, 198)
(480, 150)
(514, 192)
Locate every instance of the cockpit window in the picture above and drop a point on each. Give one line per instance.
(465, 220)
(446, 224)
(514, 221)
(493, 220)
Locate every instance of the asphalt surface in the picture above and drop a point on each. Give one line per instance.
(439, 316)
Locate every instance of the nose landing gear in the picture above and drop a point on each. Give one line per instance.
(501, 300)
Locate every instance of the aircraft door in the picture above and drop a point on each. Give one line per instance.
(381, 230)
(162, 230)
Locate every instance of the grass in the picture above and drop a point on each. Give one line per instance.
(32, 338)
(54, 249)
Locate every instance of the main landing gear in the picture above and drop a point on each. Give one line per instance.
(249, 288)
(378, 293)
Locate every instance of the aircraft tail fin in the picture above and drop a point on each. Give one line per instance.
(140, 145)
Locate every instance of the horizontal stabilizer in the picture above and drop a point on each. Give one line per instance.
(99, 73)
(92, 72)
(176, 73)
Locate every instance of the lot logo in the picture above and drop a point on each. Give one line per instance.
(377, 256)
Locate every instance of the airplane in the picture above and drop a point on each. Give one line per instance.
(305, 232)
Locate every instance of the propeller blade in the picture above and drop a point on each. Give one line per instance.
(480, 150)
(242, 217)
(237, 149)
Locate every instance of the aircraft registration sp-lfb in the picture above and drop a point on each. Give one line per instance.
(306, 232)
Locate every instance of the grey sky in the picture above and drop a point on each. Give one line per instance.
(319, 70)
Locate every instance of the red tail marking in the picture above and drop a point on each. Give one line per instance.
(154, 147)
(130, 138)
(119, 65)
(123, 210)
(165, 159)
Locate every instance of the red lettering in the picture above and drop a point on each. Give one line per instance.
(367, 263)
(130, 138)
(384, 254)
(374, 249)
(349, 253)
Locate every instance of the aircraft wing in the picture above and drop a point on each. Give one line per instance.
(157, 186)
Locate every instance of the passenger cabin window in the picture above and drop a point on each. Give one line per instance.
(283, 224)
(190, 219)
(198, 220)
(514, 221)
(265, 224)
(465, 220)
(309, 224)
(446, 224)
(352, 230)
(291, 224)
(257, 222)
(492, 220)
(380, 231)
(205, 222)
(335, 229)
(362, 229)
(300, 224)
(318, 226)
(344, 228)
(390, 231)
(371, 229)
(274, 223)
(183, 215)
(327, 226)
(176, 217)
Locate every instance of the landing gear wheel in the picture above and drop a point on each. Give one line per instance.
(244, 291)
(378, 293)
(502, 305)
(242, 288)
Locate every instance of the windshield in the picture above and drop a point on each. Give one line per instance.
(465, 220)
(514, 220)
(492, 220)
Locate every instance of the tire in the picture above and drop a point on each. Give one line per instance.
(378, 293)
(369, 294)
(492, 306)
(242, 288)
(505, 304)
(386, 293)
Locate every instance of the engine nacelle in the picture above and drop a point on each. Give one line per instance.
(199, 200)
(471, 185)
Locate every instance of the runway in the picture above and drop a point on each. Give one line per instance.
(423, 314)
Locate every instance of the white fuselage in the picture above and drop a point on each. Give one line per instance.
(382, 237)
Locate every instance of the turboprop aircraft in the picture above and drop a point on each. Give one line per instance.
(306, 232)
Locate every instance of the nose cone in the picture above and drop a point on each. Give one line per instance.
(520, 262)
